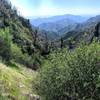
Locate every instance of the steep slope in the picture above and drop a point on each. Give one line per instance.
(16, 83)
(18, 38)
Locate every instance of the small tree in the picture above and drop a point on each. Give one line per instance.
(35, 37)
(62, 42)
(46, 47)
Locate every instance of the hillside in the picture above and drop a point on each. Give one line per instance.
(16, 83)
(18, 38)
(19, 51)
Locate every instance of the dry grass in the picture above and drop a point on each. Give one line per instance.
(16, 83)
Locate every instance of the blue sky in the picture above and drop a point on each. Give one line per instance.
(29, 8)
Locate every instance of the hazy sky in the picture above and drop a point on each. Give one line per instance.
(29, 8)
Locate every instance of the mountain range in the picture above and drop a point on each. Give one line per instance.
(58, 25)
(67, 26)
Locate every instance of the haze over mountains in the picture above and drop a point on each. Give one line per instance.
(66, 25)
(53, 19)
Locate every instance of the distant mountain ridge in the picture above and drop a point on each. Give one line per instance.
(58, 25)
(69, 27)
(77, 18)
(84, 31)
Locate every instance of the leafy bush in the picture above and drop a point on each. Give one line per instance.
(5, 44)
(71, 75)
(18, 56)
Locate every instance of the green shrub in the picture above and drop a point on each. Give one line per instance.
(5, 44)
(71, 75)
(18, 56)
